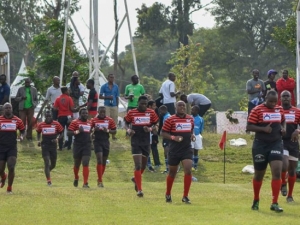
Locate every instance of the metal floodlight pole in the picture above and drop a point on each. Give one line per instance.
(95, 41)
(83, 45)
(91, 39)
(8, 69)
(298, 54)
(64, 43)
(131, 39)
(112, 40)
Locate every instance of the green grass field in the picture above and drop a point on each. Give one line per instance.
(213, 202)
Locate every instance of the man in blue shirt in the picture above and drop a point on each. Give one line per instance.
(163, 112)
(110, 93)
(198, 128)
(4, 90)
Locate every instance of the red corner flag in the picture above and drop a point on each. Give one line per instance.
(223, 140)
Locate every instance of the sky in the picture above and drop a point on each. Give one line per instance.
(106, 20)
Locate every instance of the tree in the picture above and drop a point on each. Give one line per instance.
(287, 35)
(190, 77)
(48, 59)
(154, 23)
(160, 23)
(181, 18)
(115, 54)
(53, 9)
(22, 20)
(246, 28)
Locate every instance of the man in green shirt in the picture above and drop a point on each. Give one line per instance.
(133, 91)
(28, 100)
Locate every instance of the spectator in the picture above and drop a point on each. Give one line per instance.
(75, 94)
(52, 94)
(28, 100)
(153, 142)
(198, 129)
(92, 101)
(81, 91)
(167, 91)
(65, 107)
(4, 90)
(270, 84)
(133, 91)
(255, 89)
(164, 114)
(286, 83)
(197, 99)
(110, 93)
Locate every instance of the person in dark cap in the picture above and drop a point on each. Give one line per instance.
(270, 84)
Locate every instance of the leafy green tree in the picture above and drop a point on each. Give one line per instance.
(154, 23)
(246, 28)
(22, 20)
(151, 85)
(287, 35)
(48, 60)
(160, 23)
(190, 77)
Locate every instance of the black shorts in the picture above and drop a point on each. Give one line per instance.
(174, 158)
(81, 150)
(102, 147)
(7, 152)
(140, 149)
(291, 147)
(165, 143)
(265, 152)
(49, 150)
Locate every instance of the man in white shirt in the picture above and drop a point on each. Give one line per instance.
(197, 99)
(167, 91)
(52, 93)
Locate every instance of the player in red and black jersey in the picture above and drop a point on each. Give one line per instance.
(92, 101)
(103, 126)
(81, 129)
(268, 122)
(142, 120)
(290, 145)
(9, 124)
(50, 130)
(178, 129)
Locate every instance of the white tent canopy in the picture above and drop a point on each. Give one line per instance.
(4, 58)
(3, 46)
(18, 80)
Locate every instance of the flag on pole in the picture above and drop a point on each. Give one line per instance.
(222, 142)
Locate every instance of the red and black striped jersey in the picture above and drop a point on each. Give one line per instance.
(84, 136)
(8, 130)
(138, 120)
(49, 131)
(179, 126)
(261, 116)
(106, 122)
(292, 119)
(93, 95)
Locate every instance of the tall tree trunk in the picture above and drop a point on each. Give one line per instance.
(116, 39)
